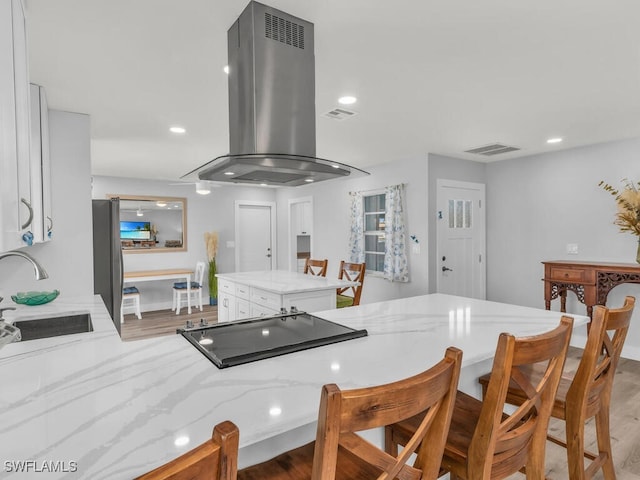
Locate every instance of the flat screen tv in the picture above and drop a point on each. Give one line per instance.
(135, 230)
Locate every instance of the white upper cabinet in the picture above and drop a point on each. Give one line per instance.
(25, 177)
(15, 188)
(302, 218)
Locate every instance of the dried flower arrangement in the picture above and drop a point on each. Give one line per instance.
(211, 243)
(628, 215)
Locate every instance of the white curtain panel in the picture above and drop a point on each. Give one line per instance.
(396, 268)
(356, 237)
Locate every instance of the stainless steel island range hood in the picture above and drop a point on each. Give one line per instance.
(272, 115)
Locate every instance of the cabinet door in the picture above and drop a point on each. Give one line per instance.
(261, 311)
(40, 166)
(226, 307)
(14, 122)
(23, 130)
(302, 218)
(243, 309)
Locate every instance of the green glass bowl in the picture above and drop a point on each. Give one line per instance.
(34, 298)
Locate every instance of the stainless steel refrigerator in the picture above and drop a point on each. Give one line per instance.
(107, 256)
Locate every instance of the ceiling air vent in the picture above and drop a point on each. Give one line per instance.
(493, 149)
(284, 31)
(340, 114)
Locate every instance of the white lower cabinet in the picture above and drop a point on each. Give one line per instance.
(226, 307)
(237, 301)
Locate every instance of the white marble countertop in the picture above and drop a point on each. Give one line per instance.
(118, 409)
(285, 282)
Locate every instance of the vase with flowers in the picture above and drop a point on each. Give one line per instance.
(211, 242)
(628, 215)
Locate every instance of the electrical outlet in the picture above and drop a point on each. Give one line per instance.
(572, 248)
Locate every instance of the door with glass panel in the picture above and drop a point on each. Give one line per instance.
(460, 249)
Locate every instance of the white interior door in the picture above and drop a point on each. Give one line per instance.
(300, 230)
(461, 239)
(255, 236)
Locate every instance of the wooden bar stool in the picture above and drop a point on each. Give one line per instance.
(316, 267)
(484, 443)
(355, 272)
(339, 453)
(216, 459)
(587, 393)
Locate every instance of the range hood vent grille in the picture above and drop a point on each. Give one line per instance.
(283, 31)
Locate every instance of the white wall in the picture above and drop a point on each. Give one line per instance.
(331, 224)
(71, 247)
(538, 204)
(205, 213)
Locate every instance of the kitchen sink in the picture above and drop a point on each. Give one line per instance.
(54, 326)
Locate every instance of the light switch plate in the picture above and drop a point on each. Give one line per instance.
(416, 248)
(572, 248)
(231, 244)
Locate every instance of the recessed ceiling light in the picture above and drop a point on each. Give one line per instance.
(226, 69)
(347, 100)
(177, 130)
(229, 173)
(139, 212)
(335, 166)
(263, 185)
(308, 180)
(161, 203)
(554, 140)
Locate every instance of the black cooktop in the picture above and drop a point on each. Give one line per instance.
(235, 343)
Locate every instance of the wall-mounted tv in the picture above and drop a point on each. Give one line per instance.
(135, 230)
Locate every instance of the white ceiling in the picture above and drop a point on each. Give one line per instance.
(431, 76)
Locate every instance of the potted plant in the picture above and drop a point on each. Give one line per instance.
(211, 242)
(628, 215)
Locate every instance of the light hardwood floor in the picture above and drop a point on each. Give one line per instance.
(624, 423)
(163, 322)
(625, 412)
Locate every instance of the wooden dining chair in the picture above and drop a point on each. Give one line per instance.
(483, 442)
(339, 453)
(586, 394)
(354, 272)
(215, 459)
(316, 267)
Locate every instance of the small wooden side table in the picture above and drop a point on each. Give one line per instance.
(590, 281)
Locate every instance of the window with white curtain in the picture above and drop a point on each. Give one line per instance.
(374, 231)
(378, 232)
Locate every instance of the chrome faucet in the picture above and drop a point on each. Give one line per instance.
(41, 273)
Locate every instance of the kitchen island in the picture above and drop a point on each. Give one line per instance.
(118, 409)
(254, 294)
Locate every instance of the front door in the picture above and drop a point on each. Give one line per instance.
(255, 236)
(461, 239)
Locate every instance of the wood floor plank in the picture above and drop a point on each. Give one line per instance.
(163, 322)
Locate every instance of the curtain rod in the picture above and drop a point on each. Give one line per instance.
(376, 189)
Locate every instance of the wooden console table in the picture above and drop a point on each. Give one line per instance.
(590, 281)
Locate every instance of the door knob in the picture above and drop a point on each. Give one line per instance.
(446, 269)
